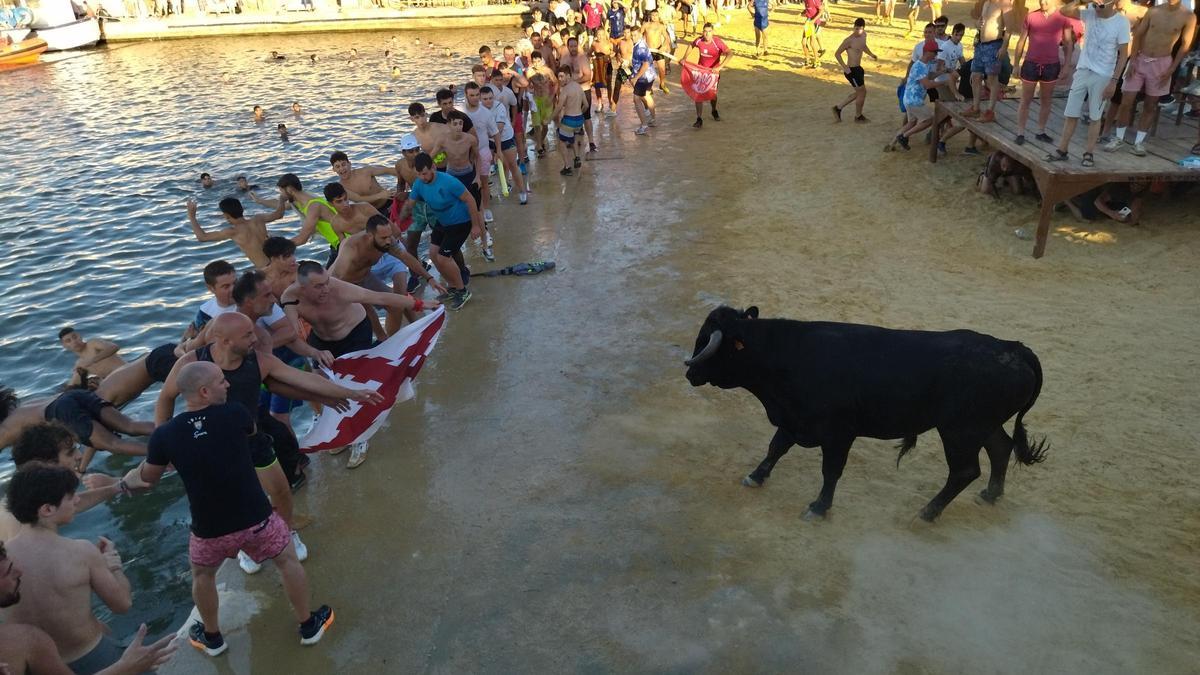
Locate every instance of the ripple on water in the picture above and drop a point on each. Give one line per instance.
(104, 152)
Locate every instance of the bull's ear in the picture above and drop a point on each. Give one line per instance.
(750, 313)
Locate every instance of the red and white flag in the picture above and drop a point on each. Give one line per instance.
(698, 82)
(388, 368)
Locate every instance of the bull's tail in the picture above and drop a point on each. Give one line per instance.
(907, 443)
(1026, 452)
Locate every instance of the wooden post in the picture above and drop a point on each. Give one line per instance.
(939, 114)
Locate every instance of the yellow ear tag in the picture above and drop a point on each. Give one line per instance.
(737, 344)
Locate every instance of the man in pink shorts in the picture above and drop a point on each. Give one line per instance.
(210, 446)
(1151, 67)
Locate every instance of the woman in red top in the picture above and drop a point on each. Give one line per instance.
(1043, 31)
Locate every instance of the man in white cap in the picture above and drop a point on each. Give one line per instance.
(414, 225)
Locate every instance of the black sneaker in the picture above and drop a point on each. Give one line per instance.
(213, 645)
(458, 299)
(1044, 137)
(566, 172)
(318, 622)
(299, 481)
(303, 461)
(903, 141)
(699, 123)
(716, 116)
(578, 162)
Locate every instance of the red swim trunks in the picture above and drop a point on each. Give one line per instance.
(261, 542)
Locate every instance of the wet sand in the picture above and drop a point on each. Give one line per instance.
(558, 498)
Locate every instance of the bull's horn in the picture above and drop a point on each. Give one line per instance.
(714, 343)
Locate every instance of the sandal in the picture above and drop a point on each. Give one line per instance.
(1088, 160)
(1057, 156)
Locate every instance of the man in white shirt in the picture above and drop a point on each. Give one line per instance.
(508, 140)
(1101, 61)
(483, 122)
(950, 53)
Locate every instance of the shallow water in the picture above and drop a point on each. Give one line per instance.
(93, 220)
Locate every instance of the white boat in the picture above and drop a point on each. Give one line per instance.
(57, 22)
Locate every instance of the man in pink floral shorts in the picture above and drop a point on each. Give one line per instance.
(210, 446)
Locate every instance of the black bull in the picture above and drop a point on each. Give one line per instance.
(825, 384)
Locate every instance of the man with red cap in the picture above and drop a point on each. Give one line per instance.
(918, 115)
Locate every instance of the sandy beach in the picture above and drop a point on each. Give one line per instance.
(558, 499)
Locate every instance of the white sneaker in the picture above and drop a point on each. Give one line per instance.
(247, 563)
(487, 216)
(1113, 145)
(488, 241)
(641, 131)
(301, 549)
(524, 198)
(358, 454)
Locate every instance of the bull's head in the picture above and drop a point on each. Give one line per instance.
(720, 337)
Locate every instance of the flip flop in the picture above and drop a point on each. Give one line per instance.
(1088, 159)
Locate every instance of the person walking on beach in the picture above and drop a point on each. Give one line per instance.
(854, 46)
(1151, 66)
(989, 52)
(644, 73)
(568, 116)
(758, 10)
(457, 219)
(61, 574)
(248, 233)
(209, 445)
(1101, 61)
(712, 53)
(1037, 61)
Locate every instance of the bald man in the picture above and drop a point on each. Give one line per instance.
(210, 445)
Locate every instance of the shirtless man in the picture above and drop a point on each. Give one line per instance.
(426, 132)
(655, 35)
(334, 309)
(581, 69)
(1151, 67)
(568, 114)
(854, 46)
(350, 217)
(990, 50)
(362, 251)
(27, 649)
(97, 358)
(248, 233)
(461, 150)
(543, 84)
(92, 419)
(281, 273)
(60, 574)
(602, 65)
(360, 183)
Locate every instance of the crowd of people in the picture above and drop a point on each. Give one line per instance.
(253, 350)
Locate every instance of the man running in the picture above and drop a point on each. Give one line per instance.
(1151, 67)
(581, 70)
(655, 35)
(643, 81)
(810, 41)
(713, 54)
(210, 446)
(758, 10)
(94, 358)
(854, 46)
(248, 233)
(457, 218)
(60, 574)
(360, 183)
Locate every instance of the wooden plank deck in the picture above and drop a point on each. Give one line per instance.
(1062, 180)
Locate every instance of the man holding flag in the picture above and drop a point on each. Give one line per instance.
(712, 56)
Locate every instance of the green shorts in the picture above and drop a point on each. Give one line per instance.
(422, 217)
(544, 112)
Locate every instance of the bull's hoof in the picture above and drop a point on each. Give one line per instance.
(928, 514)
(749, 481)
(989, 496)
(810, 515)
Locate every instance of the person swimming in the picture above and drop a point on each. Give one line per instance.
(276, 56)
(283, 132)
(296, 109)
(259, 115)
(244, 185)
(206, 180)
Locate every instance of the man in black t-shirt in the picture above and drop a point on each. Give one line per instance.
(445, 102)
(209, 445)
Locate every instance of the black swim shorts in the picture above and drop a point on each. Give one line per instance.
(856, 77)
(77, 409)
(642, 87)
(160, 361)
(360, 337)
(450, 238)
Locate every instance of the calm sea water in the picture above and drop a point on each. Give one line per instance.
(100, 154)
